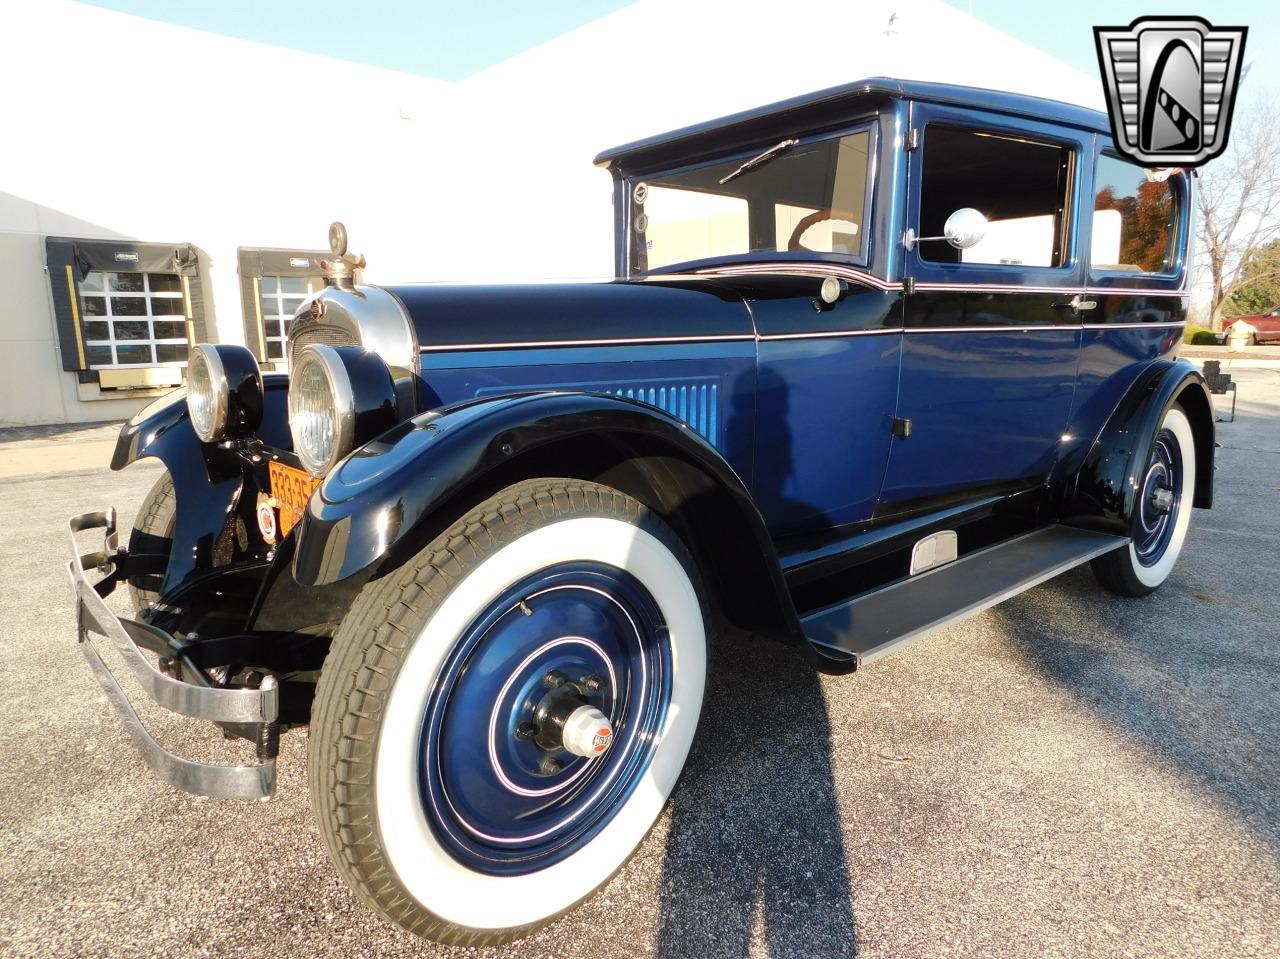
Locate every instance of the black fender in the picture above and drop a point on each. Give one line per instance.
(208, 478)
(1103, 493)
(390, 498)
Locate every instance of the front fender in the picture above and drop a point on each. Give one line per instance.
(389, 491)
(207, 479)
(1106, 487)
(375, 497)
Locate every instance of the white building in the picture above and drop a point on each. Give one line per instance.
(127, 140)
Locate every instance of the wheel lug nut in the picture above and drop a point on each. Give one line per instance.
(550, 766)
(554, 678)
(526, 731)
(593, 683)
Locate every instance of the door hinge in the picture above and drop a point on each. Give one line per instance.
(908, 285)
(901, 427)
(913, 139)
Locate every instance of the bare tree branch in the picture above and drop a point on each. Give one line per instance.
(1239, 202)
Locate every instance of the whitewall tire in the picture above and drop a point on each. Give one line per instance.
(440, 779)
(1162, 514)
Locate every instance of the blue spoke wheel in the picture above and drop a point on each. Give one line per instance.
(500, 722)
(1161, 514)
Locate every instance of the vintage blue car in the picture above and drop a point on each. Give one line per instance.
(874, 359)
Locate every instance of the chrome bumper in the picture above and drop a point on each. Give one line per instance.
(257, 709)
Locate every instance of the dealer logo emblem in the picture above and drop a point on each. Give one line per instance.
(1171, 83)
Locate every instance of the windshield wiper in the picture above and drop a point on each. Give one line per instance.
(774, 151)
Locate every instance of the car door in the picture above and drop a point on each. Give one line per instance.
(991, 333)
(826, 386)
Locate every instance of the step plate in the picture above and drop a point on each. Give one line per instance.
(882, 621)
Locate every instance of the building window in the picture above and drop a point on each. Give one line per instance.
(133, 319)
(279, 298)
(273, 284)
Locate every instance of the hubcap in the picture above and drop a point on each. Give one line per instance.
(1160, 501)
(544, 718)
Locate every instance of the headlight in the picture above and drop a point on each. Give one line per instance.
(339, 397)
(224, 392)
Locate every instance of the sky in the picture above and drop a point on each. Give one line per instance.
(452, 39)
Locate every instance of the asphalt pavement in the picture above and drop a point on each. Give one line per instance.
(1069, 774)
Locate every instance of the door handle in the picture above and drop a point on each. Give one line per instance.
(1078, 303)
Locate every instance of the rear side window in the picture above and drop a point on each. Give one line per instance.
(1134, 219)
(1019, 185)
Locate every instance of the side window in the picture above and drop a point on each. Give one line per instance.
(1019, 185)
(1134, 219)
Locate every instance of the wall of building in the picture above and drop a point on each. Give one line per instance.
(127, 128)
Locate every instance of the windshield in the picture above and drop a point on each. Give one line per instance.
(801, 198)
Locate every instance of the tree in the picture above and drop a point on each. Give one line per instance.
(1239, 202)
(1261, 289)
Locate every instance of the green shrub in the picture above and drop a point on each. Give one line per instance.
(1199, 336)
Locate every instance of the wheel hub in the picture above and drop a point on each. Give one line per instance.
(565, 718)
(1159, 502)
(1162, 499)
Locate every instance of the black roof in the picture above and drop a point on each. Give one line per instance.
(831, 107)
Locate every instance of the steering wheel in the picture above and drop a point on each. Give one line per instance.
(817, 216)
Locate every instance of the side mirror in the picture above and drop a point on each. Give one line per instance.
(964, 228)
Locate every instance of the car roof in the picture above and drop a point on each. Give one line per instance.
(829, 108)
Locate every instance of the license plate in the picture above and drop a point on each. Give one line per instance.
(290, 488)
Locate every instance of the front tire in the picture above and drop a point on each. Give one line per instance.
(445, 798)
(1161, 516)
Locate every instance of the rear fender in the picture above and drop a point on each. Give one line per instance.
(1103, 493)
(390, 498)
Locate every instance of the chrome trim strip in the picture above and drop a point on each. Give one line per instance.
(552, 344)
(816, 335)
(1009, 288)
(828, 334)
(803, 269)
(861, 276)
(1046, 328)
(1134, 326)
(258, 706)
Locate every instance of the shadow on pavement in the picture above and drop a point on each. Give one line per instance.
(1178, 675)
(755, 844)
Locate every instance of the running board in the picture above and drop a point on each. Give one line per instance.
(869, 626)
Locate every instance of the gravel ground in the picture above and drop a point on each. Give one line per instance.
(1068, 774)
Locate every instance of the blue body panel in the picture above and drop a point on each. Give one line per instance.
(710, 386)
(987, 410)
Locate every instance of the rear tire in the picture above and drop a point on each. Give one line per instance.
(440, 803)
(1157, 535)
(153, 533)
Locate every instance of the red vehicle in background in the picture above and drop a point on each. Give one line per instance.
(1267, 325)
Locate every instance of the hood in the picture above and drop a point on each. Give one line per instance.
(456, 317)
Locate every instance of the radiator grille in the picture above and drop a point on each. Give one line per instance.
(326, 335)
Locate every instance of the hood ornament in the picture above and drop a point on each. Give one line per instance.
(341, 270)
